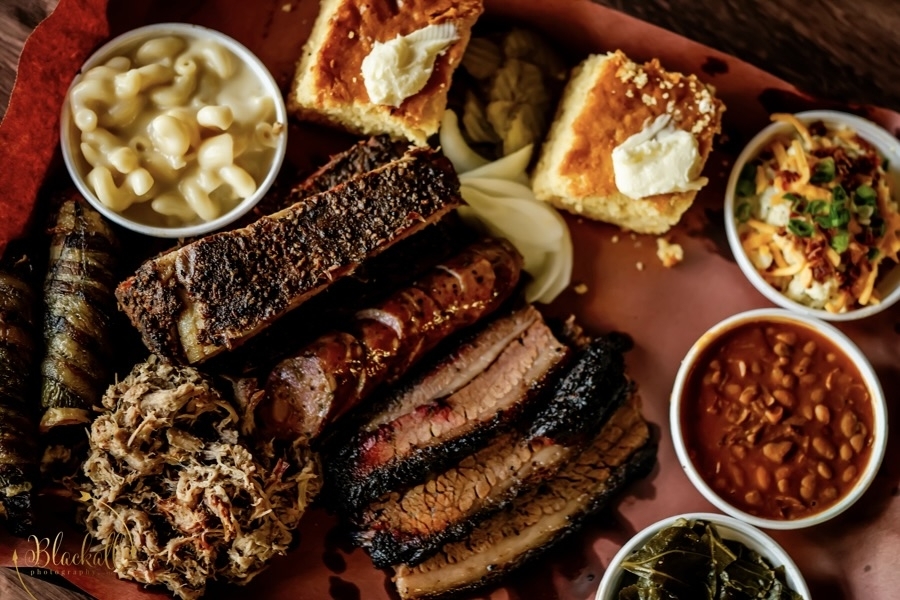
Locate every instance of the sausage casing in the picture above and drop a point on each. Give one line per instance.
(335, 372)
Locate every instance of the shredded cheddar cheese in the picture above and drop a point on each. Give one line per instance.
(795, 122)
(802, 163)
(817, 217)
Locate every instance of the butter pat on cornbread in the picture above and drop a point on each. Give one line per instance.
(330, 83)
(628, 143)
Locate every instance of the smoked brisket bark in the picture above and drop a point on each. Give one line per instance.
(410, 525)
(621, 453)
(214, 294)
(449, 411)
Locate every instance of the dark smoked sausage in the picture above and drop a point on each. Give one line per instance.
(335, 372)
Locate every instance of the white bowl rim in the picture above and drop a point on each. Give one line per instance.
(879, 414)
(252, 61)
(774, 553)
(886, 144)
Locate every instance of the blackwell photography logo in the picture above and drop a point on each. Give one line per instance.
(46, 556)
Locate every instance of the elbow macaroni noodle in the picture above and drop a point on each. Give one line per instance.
(177, 128)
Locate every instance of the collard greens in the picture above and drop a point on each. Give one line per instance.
(690, 561)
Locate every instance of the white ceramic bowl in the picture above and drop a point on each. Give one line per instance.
(78, 167)
(729, 529)
(879, 413)
(886, 144)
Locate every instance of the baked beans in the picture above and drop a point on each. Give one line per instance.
(777, 419)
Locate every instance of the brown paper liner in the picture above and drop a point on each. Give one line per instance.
(664, 310)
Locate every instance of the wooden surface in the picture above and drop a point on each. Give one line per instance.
(17, 19)
(844, 50)
(838, 49)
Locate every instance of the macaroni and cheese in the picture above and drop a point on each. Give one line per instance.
(174, 131)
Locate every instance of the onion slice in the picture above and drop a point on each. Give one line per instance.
(501, 202)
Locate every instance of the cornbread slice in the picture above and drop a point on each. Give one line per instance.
(329, 87)
(608, 99)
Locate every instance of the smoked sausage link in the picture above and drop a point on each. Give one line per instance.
(337, 371)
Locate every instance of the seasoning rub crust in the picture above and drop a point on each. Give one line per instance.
(217, 292)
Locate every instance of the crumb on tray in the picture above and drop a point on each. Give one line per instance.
(669, 254)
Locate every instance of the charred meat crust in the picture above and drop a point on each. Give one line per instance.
(597, 374)
(18, 433)
(364, 156)
(539, 518)
(411, 525)
(372, 282)
(639, 465)
(236, 283)
(352, 479)
(391, 539)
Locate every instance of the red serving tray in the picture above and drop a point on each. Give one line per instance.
(664, 310)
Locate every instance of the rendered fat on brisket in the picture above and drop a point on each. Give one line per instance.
(529, 526)
(213, 294)
(339, 369)
(407, 526)
(450, 410)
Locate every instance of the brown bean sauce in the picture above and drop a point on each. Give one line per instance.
(777, 420)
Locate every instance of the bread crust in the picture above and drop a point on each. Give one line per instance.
(328, 85)
(608, 99)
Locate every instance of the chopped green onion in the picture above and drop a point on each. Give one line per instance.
(838, 194)
(865, 196)
(746, 185)
(801, 206)
(742, 212)
(873, 254)
(878, 227)
(800, 228)
(818, 207)
(865, 212)
(840, 241)
(885, 164)
(838, 216)
(823, 171)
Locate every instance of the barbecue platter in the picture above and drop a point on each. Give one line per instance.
(446, 331)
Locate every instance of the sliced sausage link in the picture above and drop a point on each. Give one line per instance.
(334, 373)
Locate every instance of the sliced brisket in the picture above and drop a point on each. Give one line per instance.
(538, 518)
(409, 525)
(449, 411)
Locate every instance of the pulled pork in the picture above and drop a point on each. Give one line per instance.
(176, 497)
